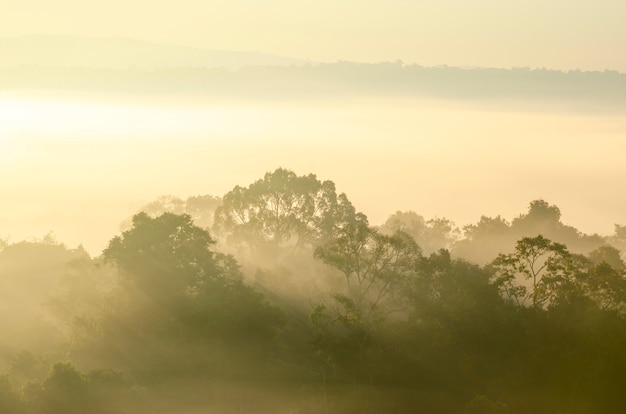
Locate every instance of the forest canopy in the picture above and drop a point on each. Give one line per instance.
(280, 296)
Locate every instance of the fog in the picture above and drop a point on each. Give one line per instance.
(577, 34)
(312, 207)
(78, 166)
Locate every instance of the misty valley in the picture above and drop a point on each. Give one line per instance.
(191, 225)
(282, 297)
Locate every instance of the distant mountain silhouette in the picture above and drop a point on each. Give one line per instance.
(133, 67)
(123, 53)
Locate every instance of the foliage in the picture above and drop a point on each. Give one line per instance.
(375, 268)
(201, 208)
(542, 273)
(618, 239)
(534, 272)
(29, 276)
(483, 241)
(186, 299)
(609, 255)
(284, 209)
(163, 318)
(65, 390)
(10, 402)
(431, 235)
(165, 256)
(604, 280)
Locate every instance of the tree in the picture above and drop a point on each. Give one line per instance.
(26, 367)
(534, 272)
(618, 239)
(201, 208)
(609, 255)
(29, 274)
(180, 302)
(489, 237)
(458, 326)
(547, 274)
(484, 240)
(10, 402)
(452, 290)
(604, 279)
(375, 268)
(164, 256)
(430, 235)
(284, 209)
(541, 210)
(65, 390)
(349, 328)
(545, 219)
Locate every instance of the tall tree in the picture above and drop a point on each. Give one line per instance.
(164, 256)
(181, 301)
(533, 272)
(376, 268)
(282, 209)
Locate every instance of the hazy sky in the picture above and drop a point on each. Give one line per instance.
(556, 34)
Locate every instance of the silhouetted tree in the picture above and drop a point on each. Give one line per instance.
(483, 241)
(534, 272)
(165, 256)
(284, 209)
(183, 302)
(65, 390)
(376, 269)
(609, 255)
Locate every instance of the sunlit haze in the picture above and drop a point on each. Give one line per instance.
(575, 34)
(80, 168)
(312, 207)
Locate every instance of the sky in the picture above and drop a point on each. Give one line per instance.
(556, 34)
